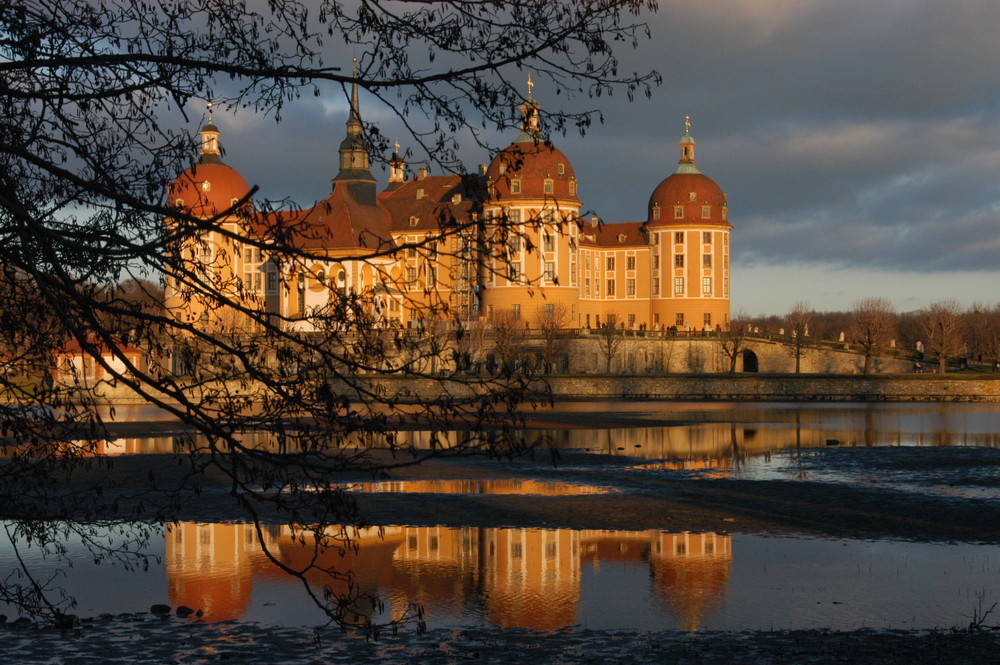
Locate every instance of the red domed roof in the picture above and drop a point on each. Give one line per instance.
(530, 164)
(703, 201)
(207, 188)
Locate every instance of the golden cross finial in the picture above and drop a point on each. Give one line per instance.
(687, 124)
(397, 146)
(355, 66)
(531, 84)
(210, 113)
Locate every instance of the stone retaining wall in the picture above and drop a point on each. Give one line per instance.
(740, 387)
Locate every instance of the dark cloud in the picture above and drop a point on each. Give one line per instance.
(861, 135)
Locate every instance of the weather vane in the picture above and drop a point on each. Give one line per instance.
(687, 124)
(531, 84)
(210, 113)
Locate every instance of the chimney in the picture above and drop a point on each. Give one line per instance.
(421, 173)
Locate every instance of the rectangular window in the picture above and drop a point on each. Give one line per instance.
(515, 311)
(706, 285)
(586, 287)
(656, 286)
(631, 320)
(679, 320)
(611, 287)
(411, 252)
(548, 242)
(611, 263)
(572, 274)
(411, 275)
(656, 262)
(550, 310)
(514, 272)
(515, 186)
(679, 237)
(629, 263)
(679, 285)
(514, 216)
(678, 212)
(706, 260)
(708, 319)
(706, 212)
(706, 237)
(550, 271)
(514, 244)
(678, 260)
(630, 287)
(549, 188)
(272, 281)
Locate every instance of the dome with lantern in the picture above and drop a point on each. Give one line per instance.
(687, 195)
(209, 187)
(531, 167)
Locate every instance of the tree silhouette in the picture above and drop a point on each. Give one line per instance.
(93, 127)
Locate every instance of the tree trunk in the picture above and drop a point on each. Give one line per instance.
(868, 363)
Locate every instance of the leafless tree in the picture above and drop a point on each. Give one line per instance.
(734, 341)
(797, 323)
(92, 99)
(872, 327)
(943, 328)
(552, 322)
(610, 339)
(509, 337)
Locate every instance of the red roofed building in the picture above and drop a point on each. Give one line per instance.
(508, 241)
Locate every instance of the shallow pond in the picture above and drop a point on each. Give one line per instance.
(544, 579)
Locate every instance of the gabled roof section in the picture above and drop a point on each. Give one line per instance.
(337, 224)
(611, 236)
(433, 203)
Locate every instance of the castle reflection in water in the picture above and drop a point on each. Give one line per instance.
(527, 578)
(700, 431)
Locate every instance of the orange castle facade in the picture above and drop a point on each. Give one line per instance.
(508, 242)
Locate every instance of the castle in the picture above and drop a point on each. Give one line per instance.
(506, 243)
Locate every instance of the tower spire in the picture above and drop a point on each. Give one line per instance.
(210, 152)
(355, 162)
(687, 163)
(530, 130)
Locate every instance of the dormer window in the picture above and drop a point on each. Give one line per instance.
(706, 212)
(503, 169)
(549, 187)
(572, 187)
(420, 193)
(515, 186)
(621, 237)
(678, 212)
(414, 221)
(179, 203)
(456, 199)
(234, 202)
(656, 211)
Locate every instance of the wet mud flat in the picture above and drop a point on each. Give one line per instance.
(141, 639)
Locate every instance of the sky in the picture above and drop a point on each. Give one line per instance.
(858, 143)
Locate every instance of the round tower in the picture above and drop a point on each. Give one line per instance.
(688, 226)
(532, 211)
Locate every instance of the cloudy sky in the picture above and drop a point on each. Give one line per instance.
(858, 142)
